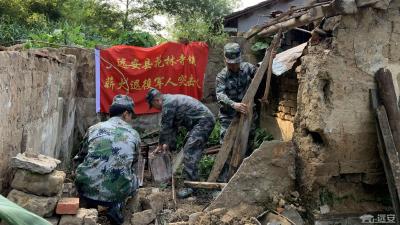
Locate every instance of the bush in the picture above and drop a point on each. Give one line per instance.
(260, 136)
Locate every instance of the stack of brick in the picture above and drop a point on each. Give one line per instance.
(37, 186)
(287, 104)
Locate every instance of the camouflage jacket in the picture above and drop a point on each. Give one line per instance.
(180, 111)
(107, 172)
(231, 88)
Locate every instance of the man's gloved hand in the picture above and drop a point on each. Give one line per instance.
(240, 107)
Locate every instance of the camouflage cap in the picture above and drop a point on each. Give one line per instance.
(151, 94)
(123, 100)
(232, 53)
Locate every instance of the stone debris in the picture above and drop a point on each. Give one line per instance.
(83, 217)
(268, 171)
(41, 164)
(39, 184)
(324, 209)
(292, 214)
(67, 206)
(142, 218)
(69, 190)
(42, 206)
(53, 220)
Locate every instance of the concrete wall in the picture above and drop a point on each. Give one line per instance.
(38, 105)
(334, 125)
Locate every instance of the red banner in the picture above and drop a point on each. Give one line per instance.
(170, 67)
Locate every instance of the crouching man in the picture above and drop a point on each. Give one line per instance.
(107, 176)
(181, 110)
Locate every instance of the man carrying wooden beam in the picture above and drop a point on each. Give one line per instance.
(181, 110)
(231, 86)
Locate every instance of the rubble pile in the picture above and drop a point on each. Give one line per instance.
(39, 187)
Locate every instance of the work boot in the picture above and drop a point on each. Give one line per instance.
(184, 192)
(115, 215)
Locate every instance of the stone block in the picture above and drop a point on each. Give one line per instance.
(42, 206)
(142, 218)
(288, 103)
(288, 117)
(83, 217)
(156, 201)
(39, 184)
(293, 111)
(269, 170)
(41, 164)
(286, 109)
(69, 190)
(67, 206)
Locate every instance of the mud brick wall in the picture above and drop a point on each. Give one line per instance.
(38, 105)
(334, 125)
(287, 102)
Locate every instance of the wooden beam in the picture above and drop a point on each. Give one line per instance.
(383, 132)
(244, 126)
(391, 157)
(291, 13)
(389, 99)
(204, 185)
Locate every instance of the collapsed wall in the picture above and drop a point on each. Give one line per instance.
(335, 132)
(38, 106)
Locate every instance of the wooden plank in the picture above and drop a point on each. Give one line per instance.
(389, 99)
(140, 169)
(177, 161)
(160, 167)
(383, 155)
(226, 149)
(243, 130)
(390, 148)
(204, 185)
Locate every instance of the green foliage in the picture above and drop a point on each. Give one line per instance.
(259, 46)
(137, 38)
(260, 136)
(205, 166)
(104, 22)
(180, 138)
(197, 28)
(214, 136)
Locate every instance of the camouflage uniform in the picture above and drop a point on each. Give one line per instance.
(182, 110)
(107, 173)
(231, 88)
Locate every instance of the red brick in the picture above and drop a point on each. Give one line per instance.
(67, 206)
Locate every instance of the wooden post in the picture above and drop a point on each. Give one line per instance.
(387, 152)
(388, 96)
(243, 131)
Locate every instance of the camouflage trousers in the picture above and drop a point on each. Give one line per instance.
(194, 146)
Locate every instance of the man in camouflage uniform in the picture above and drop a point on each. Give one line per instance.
(231, 86)
(107, 176)
(183, 111)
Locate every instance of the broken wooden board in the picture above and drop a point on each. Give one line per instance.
(177, 161)
(244, 126)
(387, 152)
(388, 96)
(204, 185)
(160, 167)
(140, 169)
